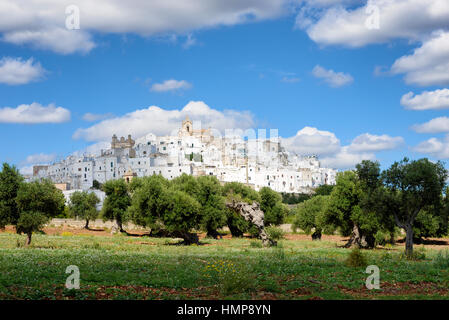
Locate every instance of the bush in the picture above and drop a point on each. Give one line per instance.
(275, 233)
(356, 258)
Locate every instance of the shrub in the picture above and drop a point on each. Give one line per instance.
(356, 258)
(275, 233)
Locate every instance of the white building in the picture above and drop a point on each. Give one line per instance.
(258, 162)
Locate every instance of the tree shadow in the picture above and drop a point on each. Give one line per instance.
(434, 242)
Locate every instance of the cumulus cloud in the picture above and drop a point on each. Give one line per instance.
(171, 85)
(34, 113)
(436, 125)
(346, 159)
(428, 100)
(399, 19)
(371, 143)
(438, 148)
(161, 122)
(429, 64)
(56, 39)
(334, 79)
(15, 71)
(41, 23)
(91, 117)
(311, 141)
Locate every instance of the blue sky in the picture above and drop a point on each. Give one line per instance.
(286, 75)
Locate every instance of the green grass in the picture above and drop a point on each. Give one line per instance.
(122, 267)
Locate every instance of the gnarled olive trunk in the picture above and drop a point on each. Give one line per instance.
(252, 214)
(360, 240)
(87, 224)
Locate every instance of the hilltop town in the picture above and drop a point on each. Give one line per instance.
(258, 162)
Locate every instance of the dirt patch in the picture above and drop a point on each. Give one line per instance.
(398, 289)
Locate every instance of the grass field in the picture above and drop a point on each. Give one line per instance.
(126, 267)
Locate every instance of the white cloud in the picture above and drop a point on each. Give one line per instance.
(91, 117)
(405, 19)
(15, 71)
(436, 125)
(40, 23)
(334, 79)
(438, 148)
(428, 100)
(429, 64)
(56, 39)
(371, 143)
(161, 121)
(311, 141)
(171, 85)
(345, 159)
(34, 113)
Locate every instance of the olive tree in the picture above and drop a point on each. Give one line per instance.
(235, 191)
(310, 215)
(157, 204)
(413, 186)
(116, 202)
(83, 205)
(272, 206)
(37, 202)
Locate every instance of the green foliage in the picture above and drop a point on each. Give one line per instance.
(83, 205)
(116, 202)
(162, 205)
(275, 233)
(310, 215)
(37, 202)
(356, 259)
(344, 202)
(271, 204)
(323, 190)
(291, 198)
(10, 182)
(213, 207)
(146, 207)
(180, 211)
